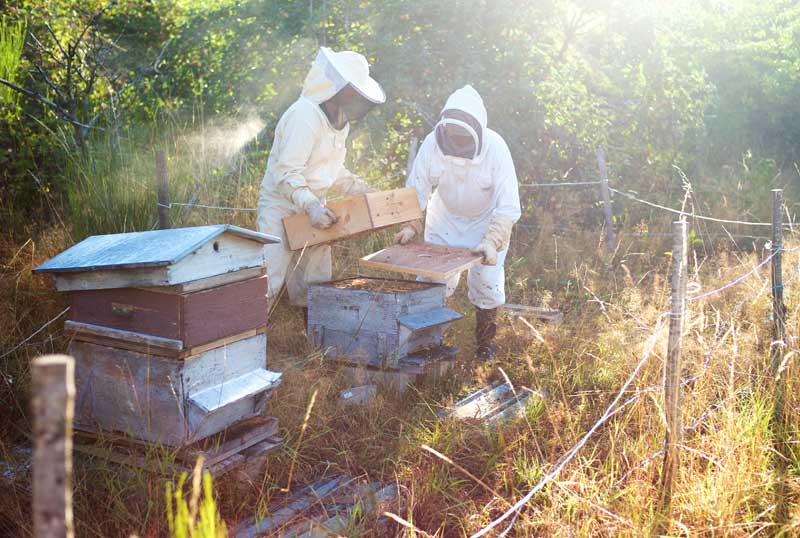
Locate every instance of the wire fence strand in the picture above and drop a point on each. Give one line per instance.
(567, 457)
(189, 204)
(692, 215)
(37, 331)
(562, 184)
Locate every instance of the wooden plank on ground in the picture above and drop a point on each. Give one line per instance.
(279, 514)
(545, 314)
(423, 259)
(391, 207)
(324, 508)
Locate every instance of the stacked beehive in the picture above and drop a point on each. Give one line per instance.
(169, 339)
(387, 331)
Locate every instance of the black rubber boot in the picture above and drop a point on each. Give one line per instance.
(485, 331)
(305, 317)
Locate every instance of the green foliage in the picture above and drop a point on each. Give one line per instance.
(12, 39)
(693, 84)
(194, 518)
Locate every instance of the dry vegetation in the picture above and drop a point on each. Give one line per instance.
(612, 317)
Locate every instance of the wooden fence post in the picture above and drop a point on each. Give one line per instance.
(162, 184)
(53, 409)
(778, 348)
(412, 154)
(607, 210)
(778, 308)
(672, 369)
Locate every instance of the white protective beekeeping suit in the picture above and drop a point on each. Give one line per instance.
(470, 202)
(305, 162)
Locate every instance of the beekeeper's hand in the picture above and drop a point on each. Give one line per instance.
(488, 251)
(408, 232)
(321, 217)
(405, 235)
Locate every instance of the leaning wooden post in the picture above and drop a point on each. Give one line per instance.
(53, 409)
(162, 184)
(606, 192)
(412, 154)
(778, 348)
(672, 368)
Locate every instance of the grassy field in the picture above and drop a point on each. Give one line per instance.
(727, 479)
(613, 319)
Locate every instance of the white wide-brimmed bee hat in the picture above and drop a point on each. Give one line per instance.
(332, 71)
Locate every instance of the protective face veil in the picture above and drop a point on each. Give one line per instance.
(349, 106)
(458, 135)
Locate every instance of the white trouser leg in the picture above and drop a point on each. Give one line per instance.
(294, 268)
(486, 284)
(309, 266)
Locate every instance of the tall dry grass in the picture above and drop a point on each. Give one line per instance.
(727, 479)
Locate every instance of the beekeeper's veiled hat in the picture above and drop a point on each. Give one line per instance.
(332, 71)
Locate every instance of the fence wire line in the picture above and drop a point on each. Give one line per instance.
(682, 213)
(188, 204)
(563, 184)
(738, 279)
(37, 331)
(713, 408)
(567, 457)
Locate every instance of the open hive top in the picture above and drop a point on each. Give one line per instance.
(380, 285)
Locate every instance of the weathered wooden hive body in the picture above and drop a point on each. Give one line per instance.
(377, 322)
(169, 331)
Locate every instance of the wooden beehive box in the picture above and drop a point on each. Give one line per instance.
(376, 321)
(183, 320)
(168, 331)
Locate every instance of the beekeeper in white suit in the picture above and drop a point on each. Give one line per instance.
(307, 160)
(466, 171)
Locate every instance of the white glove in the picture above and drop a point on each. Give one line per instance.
(405, 235)
(488, 251)
(408, 232)
(321, 217)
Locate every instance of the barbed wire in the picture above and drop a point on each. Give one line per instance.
(692, 215)
(739, 279)
(189, 204)
(37, 331)
(567, 457)
(562, 184)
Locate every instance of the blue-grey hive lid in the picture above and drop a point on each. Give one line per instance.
(157, 257)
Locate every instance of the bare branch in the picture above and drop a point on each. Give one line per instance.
(49, 82)
(149, 70)
(44, 49)
(93, 20)
(58, 42)
(55, 106)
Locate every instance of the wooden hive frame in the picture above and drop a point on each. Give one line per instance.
(357, 215)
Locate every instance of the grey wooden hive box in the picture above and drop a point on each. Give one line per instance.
(375, 321)
(160, 400)
(157, 257)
